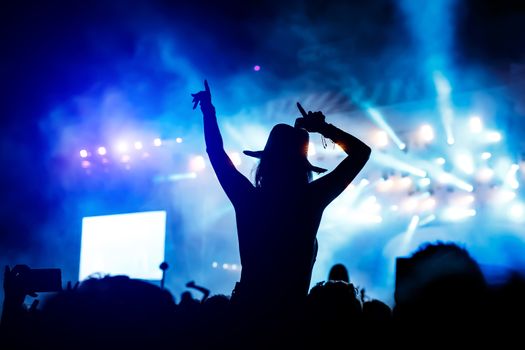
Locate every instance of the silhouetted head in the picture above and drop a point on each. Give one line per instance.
(338, 272)
(284, 158)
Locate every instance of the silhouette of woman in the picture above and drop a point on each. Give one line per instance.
(278, 217)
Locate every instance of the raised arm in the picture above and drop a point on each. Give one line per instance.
(328, 187)
(231, 180)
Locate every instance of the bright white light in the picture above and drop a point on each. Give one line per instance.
(413, 223)
(517, 212)
(83, 153)
(235, 158)
(138, 145)
(234, 267)
(102, 150)
(377, 117)
(494, 136)
(465, 163)
(475, 124)
(380, 139)
(445, 178)
(409, 205)
(450, 140)
(197, 163)
(122, 146)
(426, 133)
(510, 178)
(402, 146)
(226, 266)
(486, 155)
(214, 264)
(394, 207)
(505, 196)
(485, 174)
(428, 204)
(427, 220)
(405, 183)
(424, 182)
(124, 244)
(157, 142)
(311, 149)
(125, 158)
(178, 140)
(457, 214)
(364, 182)
(385, 185)
(440, 161)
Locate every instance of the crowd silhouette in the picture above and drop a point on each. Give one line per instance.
(440, 291)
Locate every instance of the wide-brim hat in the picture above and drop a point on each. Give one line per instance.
(289, 141)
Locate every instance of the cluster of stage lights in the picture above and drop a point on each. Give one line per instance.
(124, 152)
(449, 188)
(226, 266)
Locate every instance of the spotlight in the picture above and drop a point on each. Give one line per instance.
(226, 266)
(256, 68)
(138, 145)
(494, 136)
(485, 174)
(214, 264)
(426, 133)
(83, 153)
(122, 146)
(475, 124)
(486, 155)
(380, 139)
(465, 163)
(517, 212)
(197, 163)
(102, 151)
(178, 140)
(457, 214)
(424, 182)
(85, 164)
(440, 161)
(157, 142)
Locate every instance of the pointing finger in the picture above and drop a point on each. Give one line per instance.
(206, 86)
(301, 109)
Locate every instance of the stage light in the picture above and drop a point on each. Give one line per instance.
(384, 185)
(311, 149)
(457, 213)
(256, 68)
(214, 264)
(494, 136)
(102, 151)
(485, 174)
(226, 266)
(235, 158)
(517, 212)
(449, 179)
(428, 204)
(122, 146)
(426, 133)
(424, 182)
(465, 162)
(510, 178)
(405, 182)
(138, 145)
(178, 140)
(85, 164)
(125, 158)
(504, 196)
(380, 139)
(440, 161)
(364, 182)
(394, 207)
(444, 90)
(486, 155)
(392, 162)
(234, 267)
(427, 220)
(475, 124)
(157, 142)
(380, 121)
(409, 205)
(197, 163)
(83, 153)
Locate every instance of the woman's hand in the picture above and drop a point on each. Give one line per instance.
(202, 97)
(311, 121)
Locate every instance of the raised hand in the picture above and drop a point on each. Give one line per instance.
(202, 97)
(190, 284)
(311, 121)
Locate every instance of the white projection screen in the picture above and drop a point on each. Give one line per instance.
(124, 244)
